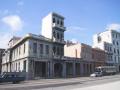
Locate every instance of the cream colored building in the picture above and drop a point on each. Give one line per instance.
(83, 51)
(78, 50)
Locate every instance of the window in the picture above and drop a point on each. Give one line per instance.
(24, 48)
(54, 50)
(61, 36)
(113, 42)
(57, 21)
(113, 35)
(41, 48)
(111, 58)
(117, 43)
(99, 39)
(115, 58)
(110, 49)
(114, 50)
(106, 48)
(53, 20)
(62, 51)
(19, 66)
(58, 51)
(118, 51)
(61, 23)
(16, 66)
(19, 50)
(58, 36)
(24, 65)
(13, 53)
(34, 47)
(47, 49)
(54, 34)
(116, 35)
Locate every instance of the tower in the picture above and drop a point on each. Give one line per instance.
(53, 28)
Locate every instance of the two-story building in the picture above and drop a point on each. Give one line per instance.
(42, 55)
(83, 51)
(91, 57)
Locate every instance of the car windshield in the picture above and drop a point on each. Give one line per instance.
(97, 72)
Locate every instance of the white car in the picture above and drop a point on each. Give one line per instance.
(96, 74)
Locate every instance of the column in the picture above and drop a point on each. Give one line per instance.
(81, 69)
(74, 70)
(30, 68)
(48, 69)
(51, 69)
(64, 70)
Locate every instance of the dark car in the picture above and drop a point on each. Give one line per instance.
(11, 77)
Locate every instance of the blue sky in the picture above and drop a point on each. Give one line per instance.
(83, 18)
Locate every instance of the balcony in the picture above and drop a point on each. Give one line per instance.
(56, 57)
(58, 26)
(44, 56)
(58, 41)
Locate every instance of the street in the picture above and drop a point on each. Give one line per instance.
(80, 83)
(107, 86)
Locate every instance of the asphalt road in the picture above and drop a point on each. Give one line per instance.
(60, 84)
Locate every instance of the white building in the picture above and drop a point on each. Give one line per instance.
(36, 54)
(110, 42)
(42, 55)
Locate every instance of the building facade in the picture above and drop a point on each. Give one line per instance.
(99, 57)
(1, 54)
(110, 42)
(83, 51)
(42, 56)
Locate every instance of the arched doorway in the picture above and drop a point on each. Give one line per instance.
(58, 70)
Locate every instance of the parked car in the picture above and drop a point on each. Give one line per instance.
(11, 77)
(96, 74)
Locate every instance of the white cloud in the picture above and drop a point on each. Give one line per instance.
(113, 26)
(4, 39)
(14, 22)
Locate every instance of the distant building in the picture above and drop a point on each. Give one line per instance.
(110, 42)
(99, 57)
(83, 51)
(1, 54)
(13, 41)
(91, 57)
